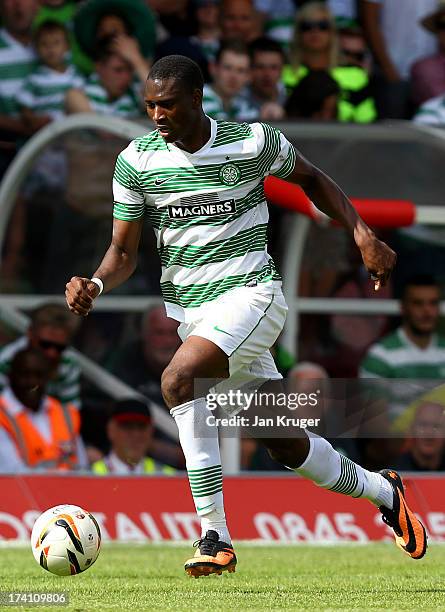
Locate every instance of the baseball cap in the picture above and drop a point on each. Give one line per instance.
(130, 410)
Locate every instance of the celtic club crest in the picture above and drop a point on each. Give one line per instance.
(229, 174)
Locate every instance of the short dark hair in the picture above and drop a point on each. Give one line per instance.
(54, 315)
(419, 280)
(181, 68)
(103, 48)
(236, 46)
(263, 44)
(309, 95)
(49, 26)
(23, 354)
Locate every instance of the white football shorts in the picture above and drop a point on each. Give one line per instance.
(244, 322)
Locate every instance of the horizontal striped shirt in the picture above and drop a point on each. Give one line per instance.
(239, 108)
(44, 90)
(126, 106)
(405, 370)
(207, 209)
(16, 62)
(65, 386)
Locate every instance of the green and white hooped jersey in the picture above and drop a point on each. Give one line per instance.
(44, 90)
(16, 62)
(207, 209)
(127, 106)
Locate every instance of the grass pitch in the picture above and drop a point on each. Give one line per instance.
(151, 577)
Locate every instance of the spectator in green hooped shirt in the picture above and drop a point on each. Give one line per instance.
(63, 11)
(130, 21)
(315, 47)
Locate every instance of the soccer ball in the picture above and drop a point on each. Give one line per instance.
(65, 540)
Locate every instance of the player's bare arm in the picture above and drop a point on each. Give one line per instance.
(378, 258)
(116, 267)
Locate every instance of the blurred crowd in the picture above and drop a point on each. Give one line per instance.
(335, 60)
(391, 412)
(355, 61)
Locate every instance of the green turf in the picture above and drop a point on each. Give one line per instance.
(374, 576)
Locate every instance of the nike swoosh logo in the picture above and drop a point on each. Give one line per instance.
(223, 331)
(204, 507)
(360, 494)
(162, 181)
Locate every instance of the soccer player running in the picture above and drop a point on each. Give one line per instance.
(200, 183)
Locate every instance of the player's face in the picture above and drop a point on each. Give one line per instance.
(266, 72)
(173, 110)
(420, 309)
(232, 73)
(52, 47)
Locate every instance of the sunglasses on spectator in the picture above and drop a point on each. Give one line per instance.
(323, 25)
(359, 56)
(48, 344)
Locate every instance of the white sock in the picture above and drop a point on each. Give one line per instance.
(331, 470)
(200, 444)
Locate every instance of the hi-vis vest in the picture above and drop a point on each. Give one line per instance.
(36, 451)
(355, 101)
(150, 466)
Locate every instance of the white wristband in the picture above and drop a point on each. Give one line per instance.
(99, 283)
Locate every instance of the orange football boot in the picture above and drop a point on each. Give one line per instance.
(211, 557)
(409, 533)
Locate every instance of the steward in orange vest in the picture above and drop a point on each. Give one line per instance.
(25, 398)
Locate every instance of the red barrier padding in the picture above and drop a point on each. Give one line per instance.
(268, 508)
(377, 213)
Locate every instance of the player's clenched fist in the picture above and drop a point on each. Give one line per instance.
(80, 293)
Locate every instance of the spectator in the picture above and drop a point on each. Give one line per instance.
(63, 11)
(140, 364)
(353, 48)
(316, 47)
(109, 90)
(17, 59)
(426, 446)
(50, 331)
(239, 20)
(36, 430)
(130, 432)
(225, 99)
(428, 74)
(414, 351)
(432, 112)
(174, 16)
(277, 19)
(129, 23)
(207, 27)
(396, 40)
(266, 92)
(42, 96)
(316, 97)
